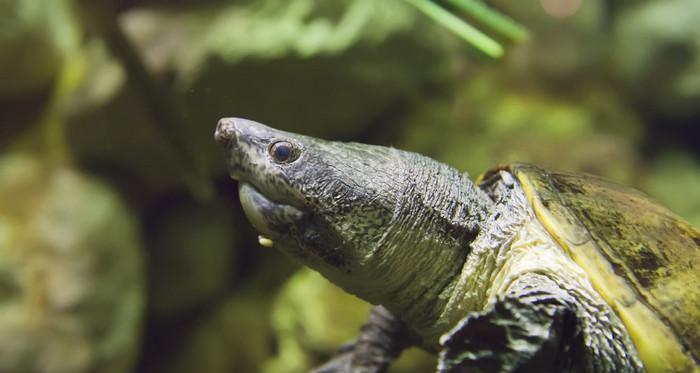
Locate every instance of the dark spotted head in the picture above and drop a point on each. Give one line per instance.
(372, 219)
(328, 204)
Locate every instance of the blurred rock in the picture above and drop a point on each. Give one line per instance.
(192, 257)
(493, 121)
(674, 180)
(35, 37)
(234, 337)
(656, 55)
(312, 318)
(263, 29)
(120, 142)
(71, 281)
(102, 78)
(364, 61)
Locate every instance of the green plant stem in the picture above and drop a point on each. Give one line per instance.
(492, 19)
(467, 32)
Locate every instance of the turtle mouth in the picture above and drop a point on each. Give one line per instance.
(273, 220)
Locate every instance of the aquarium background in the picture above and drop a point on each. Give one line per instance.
(123, 247)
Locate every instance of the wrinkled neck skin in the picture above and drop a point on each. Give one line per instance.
(413, 266)
(392, 227)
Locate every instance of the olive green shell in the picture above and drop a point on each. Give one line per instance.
(643, 259)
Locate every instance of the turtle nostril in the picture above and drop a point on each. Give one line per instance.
(225, 131)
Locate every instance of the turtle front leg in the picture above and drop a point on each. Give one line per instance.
(539, 325)
(511, 336)
(382, 338)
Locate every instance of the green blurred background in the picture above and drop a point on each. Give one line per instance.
(122, 244)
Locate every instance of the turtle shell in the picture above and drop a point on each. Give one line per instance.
(643, 259)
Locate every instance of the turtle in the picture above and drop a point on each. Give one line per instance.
(525, 269)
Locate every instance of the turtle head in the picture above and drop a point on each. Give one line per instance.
(327, 204)
(389, 226)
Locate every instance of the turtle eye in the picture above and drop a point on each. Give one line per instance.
(283, 152)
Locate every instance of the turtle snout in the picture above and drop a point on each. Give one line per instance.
(230, 130)
(225, 131)
(229, 135)
(242, 139)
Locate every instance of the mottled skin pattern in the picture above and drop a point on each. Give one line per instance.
(417, 237)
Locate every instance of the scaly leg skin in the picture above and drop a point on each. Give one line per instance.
(510, 336)
(382, 338)
(537, 327)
